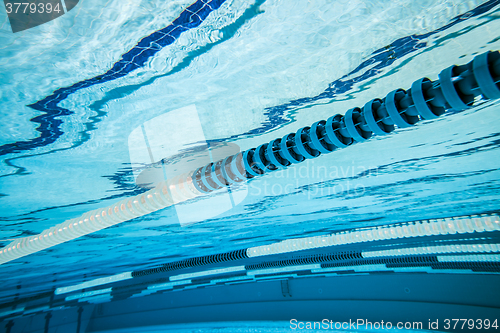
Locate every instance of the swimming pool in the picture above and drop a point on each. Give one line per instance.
(76, 90)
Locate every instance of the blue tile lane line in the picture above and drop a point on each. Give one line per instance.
(147, 47)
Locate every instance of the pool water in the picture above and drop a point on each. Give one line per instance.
(74, 89)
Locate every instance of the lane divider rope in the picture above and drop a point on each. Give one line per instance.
(457, 89)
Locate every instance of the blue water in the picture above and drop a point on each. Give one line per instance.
(74, 89)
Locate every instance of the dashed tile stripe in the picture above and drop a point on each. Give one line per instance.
(135, 58)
